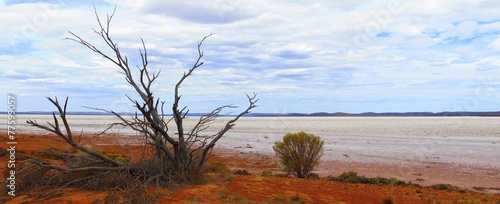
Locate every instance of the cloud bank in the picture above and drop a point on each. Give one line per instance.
(299, 56)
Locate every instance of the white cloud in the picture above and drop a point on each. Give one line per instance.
(496, 44)
(331, 51)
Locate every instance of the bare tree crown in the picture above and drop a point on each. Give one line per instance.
(186, 150)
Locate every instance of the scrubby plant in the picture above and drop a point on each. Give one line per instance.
(313, 176)
(119, 158)
(243, 172)
(442, 186)
(220, 172)
(267, 174)
(138, 194)
(388, 200)
(296, 198)
(299, 152)
(228, 196)
(353, 177)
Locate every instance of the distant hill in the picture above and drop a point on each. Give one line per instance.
(317, 114)
(372, 114)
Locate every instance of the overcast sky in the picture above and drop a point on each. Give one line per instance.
(299, 56)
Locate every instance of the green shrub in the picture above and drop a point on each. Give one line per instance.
(313, 176)
(299, 152)
(350, 177)
(216, 168)
(445, 187)
(353, 177)
(220, 172)
(267, 173)
(119, 158)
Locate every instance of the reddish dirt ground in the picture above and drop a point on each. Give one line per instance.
(253, 188)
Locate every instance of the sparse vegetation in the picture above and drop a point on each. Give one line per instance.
(313, 176)
(29, 176)
(353, 177)
(445, 187)
(243, 172)
(138, 194)
(132, 195)
(299, 153)
(296, 198)
(228, 196)
(219, 171)
(267, 173)
(111, 198)
(388, 200)
(248, 189)
(279, 199)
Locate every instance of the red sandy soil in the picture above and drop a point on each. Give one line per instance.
(244, 189)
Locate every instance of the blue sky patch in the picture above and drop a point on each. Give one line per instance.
(384, 34)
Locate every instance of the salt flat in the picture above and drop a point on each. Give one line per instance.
(443, 146)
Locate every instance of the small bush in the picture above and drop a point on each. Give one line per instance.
(216, 168)
(445, 187)
(299, 152)
(296, 198)
(243, 172)
(228, 196)
(353, 177)
(267, 173)
(119, 158)
(350, 177)
(221, 172)
(388, 200)
(313, 176)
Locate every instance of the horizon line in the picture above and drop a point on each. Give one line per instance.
(270, 114)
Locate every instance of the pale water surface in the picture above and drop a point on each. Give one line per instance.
(458, 140)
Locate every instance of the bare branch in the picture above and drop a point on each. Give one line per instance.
(252, 100)
(68, 138)
(80, 169)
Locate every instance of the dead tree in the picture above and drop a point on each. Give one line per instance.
(182, 153)
(67, 136)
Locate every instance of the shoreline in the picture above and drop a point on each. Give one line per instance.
(422, 173)
(425, 151)
(425, 174)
